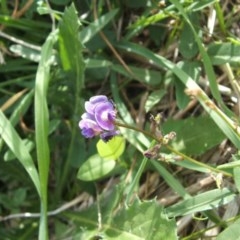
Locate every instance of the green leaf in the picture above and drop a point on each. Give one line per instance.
(9, 155)
(24, 23)
(142, 221)
(192, 69)
(201, 202)
(204, 134)
(20, 110)
(70, 45)
(42, 126)
(199, 5)
(236, 176)
(95, 168)
(221, 53)
(89, 32)
(25, 52)
(112, 149)
(154, 98)
(170, 180)
(147, 19)
(18, 148)
(231, 233)
(144, 75)
(188, 46)
(97, 63)
(73, 63)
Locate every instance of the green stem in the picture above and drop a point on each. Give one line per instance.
(220, 17)
(189, 159)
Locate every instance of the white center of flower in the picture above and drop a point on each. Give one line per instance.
(105, 116)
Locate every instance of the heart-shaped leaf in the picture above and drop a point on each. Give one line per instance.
(112, 149)
(94, 168)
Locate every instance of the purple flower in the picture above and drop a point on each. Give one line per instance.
(99, 118)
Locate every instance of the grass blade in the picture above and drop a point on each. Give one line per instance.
(41, 128)
(73, 63)
(17, 146)
(201, 202)
(89, 32)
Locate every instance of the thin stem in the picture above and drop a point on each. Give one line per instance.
(20, 42)
(189, 159)
(57, 211)
(119, 124)
(197, 162)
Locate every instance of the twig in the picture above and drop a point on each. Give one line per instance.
(23, 43)
(23, 9)
(50, 213)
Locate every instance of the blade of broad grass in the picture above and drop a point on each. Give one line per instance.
(96, 63)
(147, 19)
(136, 178)
(21, 81)
(93, 28)
(17, 146)
(146, 76)
(199, 5)
(18, 65)
(232, 232)
(20, 110)
(4, 7)
(42, 127)
(201, 202)
(25, 52)
(24, 24)
(170, 180)
(73, 63)
(222, 121)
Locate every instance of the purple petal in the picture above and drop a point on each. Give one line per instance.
(87, 124)
(88, 116)
(88, 133)
(98, 99)
(93, 102)
(105, 115)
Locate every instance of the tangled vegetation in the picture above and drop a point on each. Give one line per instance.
(119, 119)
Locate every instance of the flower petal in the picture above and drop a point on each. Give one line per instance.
(93, 101)
(105, 115)
(89, 128)
(98, 99)
(88, 133)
